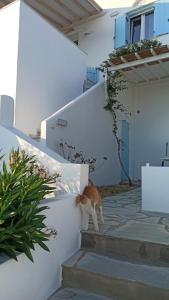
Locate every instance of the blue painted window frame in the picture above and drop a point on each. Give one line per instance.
(160, 22)
(141, 12)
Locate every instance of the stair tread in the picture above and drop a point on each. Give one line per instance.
(76, 294)
(137, 231)
(105, 266)
(142, 231)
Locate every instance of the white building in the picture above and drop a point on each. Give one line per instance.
(115, 28)
(47, 74)
(42, 75)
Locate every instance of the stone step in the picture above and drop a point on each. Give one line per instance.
(113, 278)
(76, 294)
(135, 241)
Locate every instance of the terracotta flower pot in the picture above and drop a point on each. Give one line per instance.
(145, 53)
(161, 50)
(116, 61)
(130, 57)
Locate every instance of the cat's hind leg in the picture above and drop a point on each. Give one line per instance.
(94, 217)
(101, 214)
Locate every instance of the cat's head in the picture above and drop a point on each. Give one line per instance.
(81, 199)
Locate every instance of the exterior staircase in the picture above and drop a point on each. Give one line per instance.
(118, 268)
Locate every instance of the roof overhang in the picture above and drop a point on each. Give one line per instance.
(63, 14)
(144, 66)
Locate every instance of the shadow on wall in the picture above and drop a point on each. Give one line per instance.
(7, 139)
(6, 111)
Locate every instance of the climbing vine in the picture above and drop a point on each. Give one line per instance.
(115, 83)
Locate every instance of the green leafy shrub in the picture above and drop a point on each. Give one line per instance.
(22, 188)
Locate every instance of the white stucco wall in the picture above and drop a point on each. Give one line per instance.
(164, 39)
(38, 280)
(29, 281)
(89, 129)
(149, 124)
(51, 71)
(6, 110)
(9, 33)
(74, 177)
(155, 189)
(96, 37)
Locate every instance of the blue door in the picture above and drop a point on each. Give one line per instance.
(125, 148)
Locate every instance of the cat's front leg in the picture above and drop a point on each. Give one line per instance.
(101, 214)
(85, 220)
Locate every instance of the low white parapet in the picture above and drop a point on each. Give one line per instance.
(74, 177)
(24, 280)
(155, 189)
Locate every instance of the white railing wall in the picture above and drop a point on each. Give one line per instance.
(88, 127)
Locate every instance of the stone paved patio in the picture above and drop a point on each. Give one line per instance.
(129, 234)
(124, 209)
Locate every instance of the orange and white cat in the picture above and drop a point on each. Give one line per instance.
(89, 201)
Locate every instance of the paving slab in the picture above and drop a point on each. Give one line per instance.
(76, 294)
(121, 209)
(107, 267)
(147, 232)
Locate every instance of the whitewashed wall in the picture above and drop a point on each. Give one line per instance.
(149, 124)
(89, 130)
(38, 280)
(164, 39)
(6, 110)
(96, 37)
(29, 281)
(155, 189)
(51, 71)
(74, 177)
(9, 34)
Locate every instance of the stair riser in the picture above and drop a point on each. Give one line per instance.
(157, 254)
(110, 287)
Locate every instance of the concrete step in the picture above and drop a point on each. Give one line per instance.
(135, 241)
(113, 278)
(76, 294)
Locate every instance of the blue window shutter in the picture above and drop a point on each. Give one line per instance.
(161, 18)
(121, 31)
